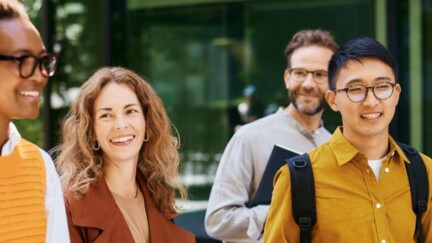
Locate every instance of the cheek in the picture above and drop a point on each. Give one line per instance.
(140, 122)
(323, 88)
(7, 87)
(141, 125)
(294, 86)
(347, 111)
(392, 109)
(101, 130)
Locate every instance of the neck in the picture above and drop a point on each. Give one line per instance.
(4, 132)
(374, 147)
(121, 179)
(309, 122)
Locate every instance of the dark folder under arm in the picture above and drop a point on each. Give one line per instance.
(277, 159)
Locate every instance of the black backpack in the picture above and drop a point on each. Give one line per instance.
(303, 191)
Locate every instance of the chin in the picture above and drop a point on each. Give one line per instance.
(31, 116)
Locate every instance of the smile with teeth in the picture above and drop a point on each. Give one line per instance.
(122, 139)
(30, 93)
(371, 115)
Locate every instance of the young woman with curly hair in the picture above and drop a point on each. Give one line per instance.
(118, 163)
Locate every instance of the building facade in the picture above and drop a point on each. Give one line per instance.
(199, 55)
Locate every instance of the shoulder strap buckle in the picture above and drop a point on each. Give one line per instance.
(421, 206)
(305, 224)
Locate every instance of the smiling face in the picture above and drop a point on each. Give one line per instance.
(19, 97)
(119, 123)
(370, 117)
(308, 96)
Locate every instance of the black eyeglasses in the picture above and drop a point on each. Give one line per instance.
(300, 74)
(27, 64)
(358, 92)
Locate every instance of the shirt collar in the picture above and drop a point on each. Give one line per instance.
(13, 138)
(396, 150)
(297, 125)
(344, 151)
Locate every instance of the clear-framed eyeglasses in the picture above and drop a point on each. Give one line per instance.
(358, 92)
(27, 64)
(300, 74)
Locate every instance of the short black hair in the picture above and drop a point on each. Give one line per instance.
(357, 49)
(10, 9)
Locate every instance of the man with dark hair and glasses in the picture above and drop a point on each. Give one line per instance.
(361, 183)
(31, 200)
(230, 216)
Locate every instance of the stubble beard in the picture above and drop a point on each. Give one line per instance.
(315, 109)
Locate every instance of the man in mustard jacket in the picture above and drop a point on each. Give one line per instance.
(361, 183)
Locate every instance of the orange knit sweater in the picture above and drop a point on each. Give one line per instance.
(22, 192)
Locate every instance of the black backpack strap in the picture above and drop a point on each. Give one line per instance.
(419, 184)
(303, 195)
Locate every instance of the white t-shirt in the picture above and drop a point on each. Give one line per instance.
(376, 166)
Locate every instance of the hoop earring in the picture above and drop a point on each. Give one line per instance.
(146, 137)
(95, 145)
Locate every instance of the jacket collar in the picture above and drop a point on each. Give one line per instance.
(97, 209)
(84, 212)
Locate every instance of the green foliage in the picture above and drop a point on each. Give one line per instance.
(33, 7)
(32, 130)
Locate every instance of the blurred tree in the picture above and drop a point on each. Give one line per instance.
(77, 39)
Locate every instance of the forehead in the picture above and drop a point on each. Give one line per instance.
(114, 94)
(311, 57)
(19, 35)
(364, 70)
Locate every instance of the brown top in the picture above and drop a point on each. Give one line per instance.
(133, 211)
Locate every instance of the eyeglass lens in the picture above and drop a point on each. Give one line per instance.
(47, 65)
(381, 91)
(300, 75)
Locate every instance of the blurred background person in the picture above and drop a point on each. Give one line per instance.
(251, 108)
(118, 163)
(280, 100)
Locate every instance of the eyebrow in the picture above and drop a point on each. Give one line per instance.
(110, 109)
(360, 81)
(309, 70)
(27, 51)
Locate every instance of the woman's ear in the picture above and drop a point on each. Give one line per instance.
(330, 97)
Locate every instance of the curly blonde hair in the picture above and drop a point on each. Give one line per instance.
(79, 165)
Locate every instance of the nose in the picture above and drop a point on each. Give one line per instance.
(370, 98)
(38, 77)
(309, 81)
(120, 123)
